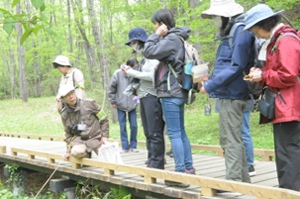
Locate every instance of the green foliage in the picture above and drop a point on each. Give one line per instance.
(16, 175)
(120, 193)
(86, 191)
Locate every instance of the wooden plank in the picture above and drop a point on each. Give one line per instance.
(3, 149)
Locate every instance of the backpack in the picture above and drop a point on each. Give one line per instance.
(254, 88)
(191, 58)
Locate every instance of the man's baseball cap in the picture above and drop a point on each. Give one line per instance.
(65, 89)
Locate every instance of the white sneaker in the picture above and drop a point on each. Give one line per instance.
(134, 150)
(227, 193)
(252, 171)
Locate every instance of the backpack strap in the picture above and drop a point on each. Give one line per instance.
(73, 74)
(169, 76)
(231, 33)
(283, 35)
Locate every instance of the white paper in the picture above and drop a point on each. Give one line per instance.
(199, 71)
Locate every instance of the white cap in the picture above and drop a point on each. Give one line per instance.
(65, 89)
(61, 60)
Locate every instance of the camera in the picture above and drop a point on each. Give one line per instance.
(78, 128)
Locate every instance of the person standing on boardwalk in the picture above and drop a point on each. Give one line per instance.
(246, 135)
(227, 84)
(150, 106)
(124, 105)
(167, 47)
(71, 76)
(80, 118)
(280, 73)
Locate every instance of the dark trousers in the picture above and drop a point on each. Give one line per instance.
(287, 151)
(153, 124)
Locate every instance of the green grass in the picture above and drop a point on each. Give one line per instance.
(39, 116)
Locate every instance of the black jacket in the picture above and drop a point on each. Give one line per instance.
(168, 50)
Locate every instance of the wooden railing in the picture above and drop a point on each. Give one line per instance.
(267, 155)
(208, 185)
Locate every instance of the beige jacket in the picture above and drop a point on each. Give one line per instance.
(78, 82)
(85, 112)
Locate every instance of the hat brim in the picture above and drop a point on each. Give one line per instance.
(250, 25)
(54, 62)
(143, 39)
(228, 10)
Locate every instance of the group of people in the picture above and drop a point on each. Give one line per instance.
(162, 99)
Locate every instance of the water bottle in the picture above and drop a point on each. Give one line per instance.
(187, 77)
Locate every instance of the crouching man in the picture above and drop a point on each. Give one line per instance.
(80, 117)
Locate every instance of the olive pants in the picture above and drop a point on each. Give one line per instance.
(230, 124)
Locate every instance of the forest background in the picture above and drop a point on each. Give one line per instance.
(92, 33)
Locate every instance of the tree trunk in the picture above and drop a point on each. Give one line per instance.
(101, 56)
(35, 72)
(13, 70)
(22, 74)
(194, 4)
(69, 27)
(128, 13)
(87, 43)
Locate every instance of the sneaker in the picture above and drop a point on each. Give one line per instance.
(252, 171)
(227, 193)
(134, 150)
(190, 171)
(175, 184)
(169, 152)
(124, 151)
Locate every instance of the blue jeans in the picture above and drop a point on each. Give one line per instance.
(133, 128)
(248, 143)
(173, 110)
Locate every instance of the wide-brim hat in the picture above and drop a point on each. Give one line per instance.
(62, 61)
(258, 13)
(225, 8)
(65, 89)
(137, 34)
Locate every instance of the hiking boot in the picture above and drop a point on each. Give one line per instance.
(190, 171)
(227, 193)
(252, 171)
(175, 184)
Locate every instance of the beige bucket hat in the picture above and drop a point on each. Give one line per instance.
(225, 8)
(62, 61)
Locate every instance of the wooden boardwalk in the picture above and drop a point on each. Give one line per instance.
(45, 155)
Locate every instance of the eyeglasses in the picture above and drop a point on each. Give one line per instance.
(254, 30)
